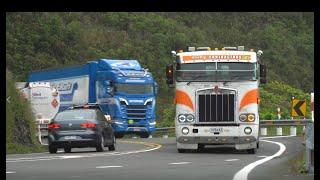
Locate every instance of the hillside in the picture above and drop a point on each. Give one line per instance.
(41, 40)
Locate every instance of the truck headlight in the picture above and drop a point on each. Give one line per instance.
(182, 118)
(185, 130)
(251, 117)
(243, 117)
(190, 118)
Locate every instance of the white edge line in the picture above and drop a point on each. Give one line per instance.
(231, 160)
(107, 167)
(273, 137)
(181, 163)
(243, 173)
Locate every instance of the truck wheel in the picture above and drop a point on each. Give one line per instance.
(113, 146)
(200, 147)
(119, 135)
(52, 149)
(252, 151)
(182, 150)
(144, 135)
(67, 149)
(100, 144)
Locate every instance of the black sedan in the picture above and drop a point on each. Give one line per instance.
(80, 127)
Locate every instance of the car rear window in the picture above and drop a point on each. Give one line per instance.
(78, 114)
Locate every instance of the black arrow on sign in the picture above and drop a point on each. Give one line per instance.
(297, 108)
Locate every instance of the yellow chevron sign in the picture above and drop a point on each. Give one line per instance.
(298, 108)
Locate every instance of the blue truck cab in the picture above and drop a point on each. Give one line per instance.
(122, 88)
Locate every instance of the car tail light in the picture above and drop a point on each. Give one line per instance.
(88, 125)
(54, 126)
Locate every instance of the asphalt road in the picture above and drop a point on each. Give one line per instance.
(158, 158)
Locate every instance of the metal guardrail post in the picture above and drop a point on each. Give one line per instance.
(309, 133)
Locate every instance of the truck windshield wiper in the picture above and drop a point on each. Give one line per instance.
(197, 77)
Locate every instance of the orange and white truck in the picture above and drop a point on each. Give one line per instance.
(216, 97)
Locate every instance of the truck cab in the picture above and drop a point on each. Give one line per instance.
(128, 92)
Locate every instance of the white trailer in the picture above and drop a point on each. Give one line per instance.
(44, 100)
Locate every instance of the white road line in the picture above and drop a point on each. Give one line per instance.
(153, 146)
(231, 160)
(274, 137)
(243, 173)
(10, 172)
(108, 166)
(71, 157)
(262, 156)
(181, 163)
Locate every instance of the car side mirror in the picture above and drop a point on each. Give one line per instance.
(263, 74)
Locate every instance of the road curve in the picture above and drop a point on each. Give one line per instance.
(156, 158)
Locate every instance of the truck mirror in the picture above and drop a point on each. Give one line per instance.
(169, 74)
(110, 90)
(263, 74)
(156, 88)
(109, 87)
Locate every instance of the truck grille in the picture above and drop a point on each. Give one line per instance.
(216, 107)
(136, 112)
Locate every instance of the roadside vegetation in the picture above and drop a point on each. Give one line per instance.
(20, 129)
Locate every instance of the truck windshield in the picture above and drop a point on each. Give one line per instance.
(217, 71)
(134, 88)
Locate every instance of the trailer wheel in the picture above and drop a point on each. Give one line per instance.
(52, 149)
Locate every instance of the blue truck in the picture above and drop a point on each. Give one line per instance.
(122, 88)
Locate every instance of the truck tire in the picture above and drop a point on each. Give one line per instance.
(52, 149)
(200, 147)
(182, 150)
(252, 151)
(144, 135)
(119, 135)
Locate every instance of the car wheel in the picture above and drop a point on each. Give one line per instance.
(100, 144)
(67, 149)
(52, 149)
(113, 146)
(182, 150)
(251, 151)
(144, 135)
(119, 135)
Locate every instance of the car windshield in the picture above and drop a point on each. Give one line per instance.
(78, 114)
(217, 71)
(134, 88)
